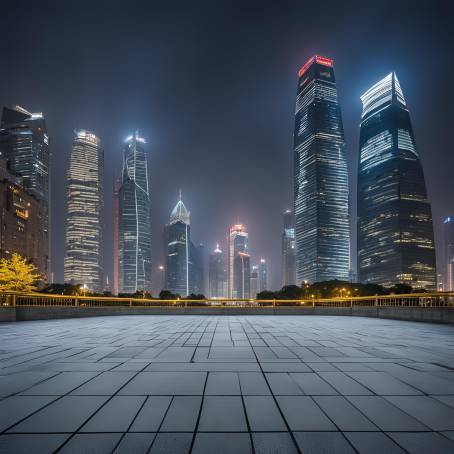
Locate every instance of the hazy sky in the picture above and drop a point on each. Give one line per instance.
(211, 86)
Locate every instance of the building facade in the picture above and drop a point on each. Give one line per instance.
(242, 276)
(217, 266)
(448, 265)
(134, 231)
(24, 144)
(177, 242)
(238, 265)
(395, 232)
(322, 231)
(255, 286)
(197, 268)
(116, 236)
(263, 275)
(288, 250)
(84, 227)
(21, 217)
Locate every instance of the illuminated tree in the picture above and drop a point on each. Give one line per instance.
(17, 275)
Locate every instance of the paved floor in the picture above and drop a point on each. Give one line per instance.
(219, 385)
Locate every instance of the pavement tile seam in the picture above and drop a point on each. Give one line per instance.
(406, 367)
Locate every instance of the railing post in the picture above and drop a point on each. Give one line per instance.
(130, 303)
(13, 300)
(76, 302)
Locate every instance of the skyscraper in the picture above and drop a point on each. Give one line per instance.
(255, 286)
(83, 258)
(21, 221)
(448, 266)
(395, 233)
(217, 274)
(322, 230)
(263, 275)
(116, 234)
(196, 268)
(134, 242)
(177, 241)
(288, 250)
(239, 267)
(242, 276)
(25, 145)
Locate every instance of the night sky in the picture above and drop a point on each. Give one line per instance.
(211, 86)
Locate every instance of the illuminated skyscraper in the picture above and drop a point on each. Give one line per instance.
(242, 276)
(254, 281)
(184, 261)
(177, 239)
(83, 259)
(134, 243)
(217, 274)
(395, 233)
(263, 275)
(21, 221)
(25, 145)
(322, 230)
(288, 250)
(448, 266)
(116, 234)
(239, 266)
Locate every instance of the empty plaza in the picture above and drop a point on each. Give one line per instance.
(226, 384)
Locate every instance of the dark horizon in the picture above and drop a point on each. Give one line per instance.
(212, 89)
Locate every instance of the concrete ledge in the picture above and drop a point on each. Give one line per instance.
(426, 314)
(7, 314)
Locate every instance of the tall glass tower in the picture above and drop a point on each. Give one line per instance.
(322, 232)
(263, 275)
(178, 245)
(448, 266)
(217, 271)
(134, 232)
(288, 250)
(239, 263)
(25, 144)
(83, 260)
(395, 232)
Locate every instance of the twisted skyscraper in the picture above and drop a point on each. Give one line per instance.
(395, 232)
(134, 232)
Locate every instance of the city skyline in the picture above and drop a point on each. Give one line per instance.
(190, 154)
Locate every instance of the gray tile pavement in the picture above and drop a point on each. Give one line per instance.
(238, 384)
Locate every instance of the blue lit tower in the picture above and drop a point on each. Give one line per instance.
(239, 262)
(217, 274)
(134, 232)
(395, 232)
(263, 275)
(288, 249)
(448, 265)
(178, 247)
(322, 233)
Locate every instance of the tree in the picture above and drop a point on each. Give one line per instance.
(63, 289)
(18, 275)
(168, 295)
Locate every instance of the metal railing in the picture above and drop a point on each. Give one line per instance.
(422, 300)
